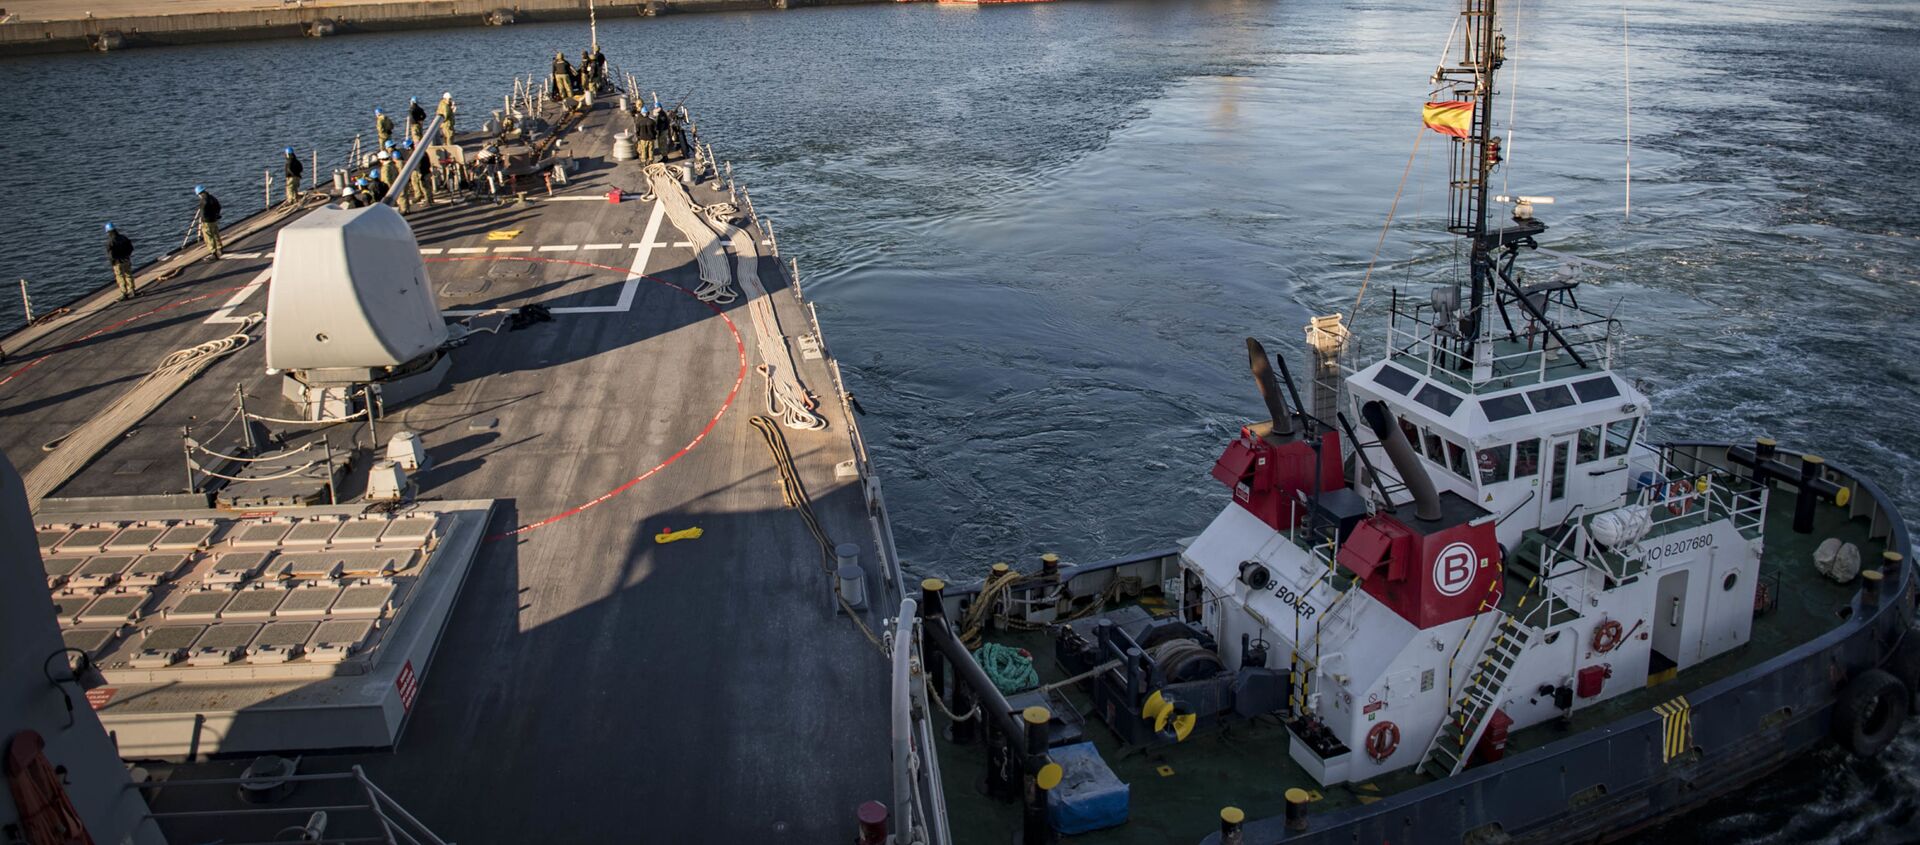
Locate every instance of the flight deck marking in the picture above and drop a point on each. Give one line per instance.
(225, 314)
(739, 378)
(112, 326)
(513, 249)
(627, 288)
(560, 248)
(467, 250)
(431, 250)
(607, 246)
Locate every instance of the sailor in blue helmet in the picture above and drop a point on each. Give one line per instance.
(209, 214)
(416, 120)
(294, 170)
(120, 255)
(383, 125)
(362, 193)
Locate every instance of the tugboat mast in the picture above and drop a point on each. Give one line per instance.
(1482, 53)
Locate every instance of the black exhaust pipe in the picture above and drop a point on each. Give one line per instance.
(1269, 388)
(1426, 500)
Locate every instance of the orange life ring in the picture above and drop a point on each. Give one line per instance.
(1679, 496)
(1382, 740)
(1607, 636)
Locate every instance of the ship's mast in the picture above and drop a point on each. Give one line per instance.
(1482, 51)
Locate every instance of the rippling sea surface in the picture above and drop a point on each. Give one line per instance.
(1037, 234)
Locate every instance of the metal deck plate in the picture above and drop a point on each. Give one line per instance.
(412, 530)
(379, 562)
(61, 567)
(50, 537)
(200, 605)
(360, 531)
(185, 537)
(87, 541)
(238, 566)
(154, 568)
(310, 533)
(259, 535)
(307, 565)
(93, 641)
(284, 634)
(139, 538)
(171, 637)
(228, 635)
(102, 569)
(351, 632)
(308, 601)
(253, 604)
(364, 600)
(65, 608)
(114, 607)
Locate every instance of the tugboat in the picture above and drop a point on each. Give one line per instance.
(1456, 595)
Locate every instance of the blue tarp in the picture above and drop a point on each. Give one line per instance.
(1089, 796)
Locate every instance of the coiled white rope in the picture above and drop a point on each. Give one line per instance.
(288, 474)
(711, 230)
(86, 442)
(716, 280)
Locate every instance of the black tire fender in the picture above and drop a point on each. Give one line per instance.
(1870, 711)
(1905, 662)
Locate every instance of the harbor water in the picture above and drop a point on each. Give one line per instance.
(1037, 234)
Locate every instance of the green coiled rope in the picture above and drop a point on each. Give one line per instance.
(1010, 669)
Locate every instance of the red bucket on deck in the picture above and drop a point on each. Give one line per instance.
(613, 196)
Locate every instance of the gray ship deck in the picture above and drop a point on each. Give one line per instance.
(705, 688)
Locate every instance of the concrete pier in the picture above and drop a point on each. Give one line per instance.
(59, 26)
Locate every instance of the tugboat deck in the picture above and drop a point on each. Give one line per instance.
(1177, 791)
(582, 658)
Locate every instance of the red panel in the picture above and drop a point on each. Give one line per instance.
(1366, 549)
(1432, 579)
(1231, 469)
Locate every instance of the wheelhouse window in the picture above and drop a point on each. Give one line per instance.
(1457, 460)
(1436, 452)
(1620, 436)
(1496, 464)
(1558, 488)
(1526, 458)
(1589, 445)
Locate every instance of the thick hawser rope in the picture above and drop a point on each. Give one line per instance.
(711, 231)
(80, 446)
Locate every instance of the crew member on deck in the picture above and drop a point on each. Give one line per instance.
(209, 220)
(562, 76)
(390, 174)
(446, 110)
(294, 170)
(599, 66)
(382, 125)
(120, 254)
(416, 120)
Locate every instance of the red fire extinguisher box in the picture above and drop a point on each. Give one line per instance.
(1591, 679)
(1493, 743)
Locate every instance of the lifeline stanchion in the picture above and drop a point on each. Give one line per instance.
(26, 302)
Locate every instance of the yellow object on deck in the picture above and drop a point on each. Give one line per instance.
(667, 536)
(503, 234)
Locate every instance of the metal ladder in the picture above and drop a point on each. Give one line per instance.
(1467, 719)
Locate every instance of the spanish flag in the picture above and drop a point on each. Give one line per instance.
(1450, 118)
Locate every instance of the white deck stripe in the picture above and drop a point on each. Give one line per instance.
(466, 250)
(225, 314)
(431, 250)
(560, 248)
(232, 255)
(643, 253)
(513, 249)
(604, 246)
(574, 198)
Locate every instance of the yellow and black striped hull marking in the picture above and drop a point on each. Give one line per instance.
(1676, 720)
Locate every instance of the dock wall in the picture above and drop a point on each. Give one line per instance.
(112, 33)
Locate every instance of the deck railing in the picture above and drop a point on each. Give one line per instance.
(383, 818)
(1417, 338)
